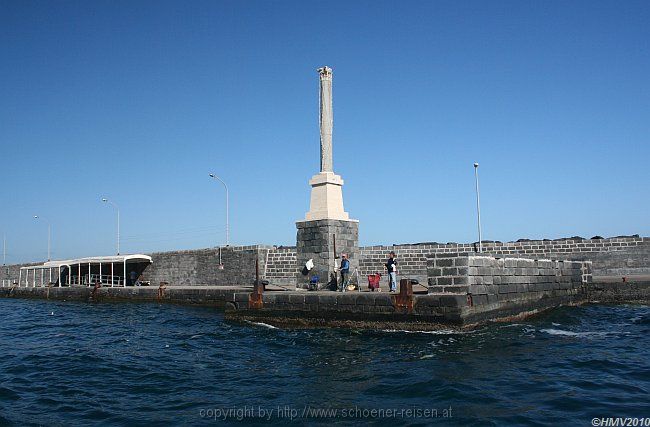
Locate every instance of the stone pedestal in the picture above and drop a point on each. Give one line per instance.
(326, 197)
(315, 241)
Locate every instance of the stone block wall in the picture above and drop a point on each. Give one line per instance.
(282, 266)
(545, 248)
(10, 273)
(373, 310)
(483, 288)
(611, 257)
(411, 262)
(201, 266)
(620, 262)
(195, 267)
(315, 241)
(491, 280)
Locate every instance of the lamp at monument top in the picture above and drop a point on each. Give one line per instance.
(105, 200)
(227, 209)
(49, 235)
(478, 207)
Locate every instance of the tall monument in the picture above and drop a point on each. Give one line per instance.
(327, 230)
(326, 119)
(326, 186)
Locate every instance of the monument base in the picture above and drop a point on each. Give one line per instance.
(326, 197)
(315, 241)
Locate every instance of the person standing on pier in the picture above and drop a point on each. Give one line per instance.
(345, 271)
(391, 267)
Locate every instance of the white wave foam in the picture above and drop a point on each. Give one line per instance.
(439, 332)
(562, 332)
(266, 325)
(512, 325)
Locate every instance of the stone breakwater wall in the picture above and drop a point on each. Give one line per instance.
(226, 266)
(364, 309)
(611, 257)
(202, 295)
(464, 289)
(490, 281)
(281, 266)
(10, 273)
(620, 292)
(192, 267)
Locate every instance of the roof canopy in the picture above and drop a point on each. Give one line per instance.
(117, 259)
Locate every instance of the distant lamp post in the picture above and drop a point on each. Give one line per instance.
(4, 249)
(227, 208)
(105, 200)
(49, 235)
(478, 208)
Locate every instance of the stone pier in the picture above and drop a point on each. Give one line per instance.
(464, 290)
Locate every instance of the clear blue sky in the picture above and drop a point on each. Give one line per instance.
(139, 101)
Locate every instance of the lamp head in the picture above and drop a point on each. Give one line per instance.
(35, 216)
(104, 199)
(475, 165)
(211, 175)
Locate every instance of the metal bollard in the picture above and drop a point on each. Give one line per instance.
(405, 288)
(161, 290)
(255, 298)
(93, 294)
(404, 300)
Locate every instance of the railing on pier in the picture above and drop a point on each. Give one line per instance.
(104, 279)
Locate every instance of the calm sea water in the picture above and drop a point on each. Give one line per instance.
(148, 364)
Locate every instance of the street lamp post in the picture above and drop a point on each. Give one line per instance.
(49, 235)
(478, 208)
(227, 209)
(105, 200)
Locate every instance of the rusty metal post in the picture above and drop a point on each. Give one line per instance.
(93, 294)
(404, 300)
(255, 298)
(161, 290)
(405, 288)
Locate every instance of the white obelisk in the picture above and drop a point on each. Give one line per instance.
(326, 187)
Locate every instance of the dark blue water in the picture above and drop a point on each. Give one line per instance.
(148, 364)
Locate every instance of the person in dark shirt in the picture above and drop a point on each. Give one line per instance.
(391, 267)
(345, 271)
